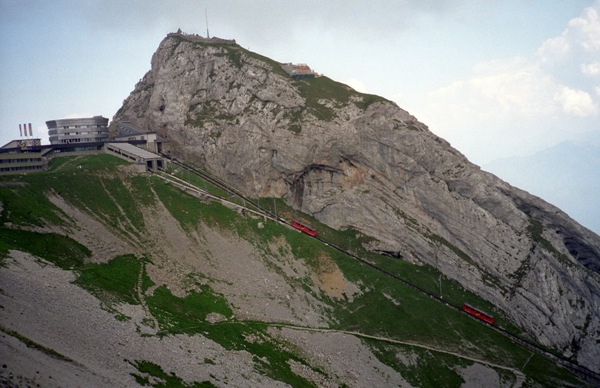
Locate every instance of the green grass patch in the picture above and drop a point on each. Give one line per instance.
(141, 190)
(274, 66)
(318, 88)
(160, 378)
(548, 374)
(201, 183)
(25, 202)
(57, 162)
(60, 250)
(95, 189)
(189, 211)
(113, 282)
(86, 163)
(184, 315)
(315, 89)
(125, 202)
(420, 367)
(188, 316)
(88, 182)
(271, 356)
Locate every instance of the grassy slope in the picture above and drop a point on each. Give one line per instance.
(385, 307)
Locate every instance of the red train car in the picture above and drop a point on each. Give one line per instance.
(478, 313)
(304, 228)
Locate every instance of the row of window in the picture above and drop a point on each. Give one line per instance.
(27, 160)
(79, 149)
(83, 133)
(21, 168)
(84, 126)
(86, 140)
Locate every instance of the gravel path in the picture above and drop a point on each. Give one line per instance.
(477, 373)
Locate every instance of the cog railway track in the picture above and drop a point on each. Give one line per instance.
(581, 371)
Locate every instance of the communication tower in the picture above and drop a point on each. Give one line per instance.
(206, 16)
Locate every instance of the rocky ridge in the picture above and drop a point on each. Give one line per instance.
(358, 161)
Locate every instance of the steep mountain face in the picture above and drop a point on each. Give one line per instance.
(358, 161)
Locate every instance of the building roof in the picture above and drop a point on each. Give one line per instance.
(20, 143)
(137, 151)
(11, 144)
(78, 121)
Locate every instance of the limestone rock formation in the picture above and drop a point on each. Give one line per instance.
(359, 161)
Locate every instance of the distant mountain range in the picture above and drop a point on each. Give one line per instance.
(566, 175)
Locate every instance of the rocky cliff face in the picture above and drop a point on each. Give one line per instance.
(359, 161)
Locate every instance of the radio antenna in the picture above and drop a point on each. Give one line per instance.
(206, 16)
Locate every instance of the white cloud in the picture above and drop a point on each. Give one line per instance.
(521, 105)
(591, 69)
(515, 85)
(555, 49)
(587, 29)
(576, 102)
(499, 88)
(582, 33)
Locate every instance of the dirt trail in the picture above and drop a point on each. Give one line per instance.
(519, 376)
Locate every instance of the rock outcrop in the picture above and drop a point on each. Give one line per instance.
(359, 161)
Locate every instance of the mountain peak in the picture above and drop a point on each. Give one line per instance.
(360, 162)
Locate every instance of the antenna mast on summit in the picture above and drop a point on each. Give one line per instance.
(206, 16)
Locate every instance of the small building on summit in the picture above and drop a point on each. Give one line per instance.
(298, 71)
(81, 130)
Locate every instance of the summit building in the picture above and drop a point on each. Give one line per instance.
(81, 130)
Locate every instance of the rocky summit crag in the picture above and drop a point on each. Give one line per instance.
(357, 161)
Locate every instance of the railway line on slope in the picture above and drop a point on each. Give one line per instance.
(574, 367)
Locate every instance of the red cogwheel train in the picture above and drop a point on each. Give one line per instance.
(303, 228)
(478, 313)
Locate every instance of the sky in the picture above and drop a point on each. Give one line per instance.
(496, 78)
